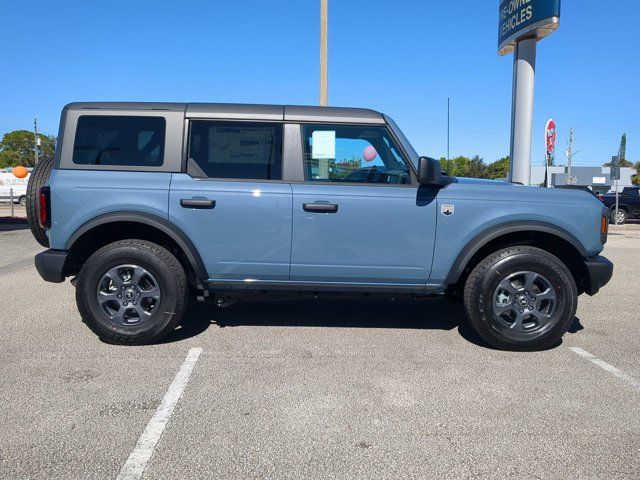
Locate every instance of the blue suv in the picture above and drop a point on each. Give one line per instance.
(145, 204)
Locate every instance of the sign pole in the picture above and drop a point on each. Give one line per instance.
(521, 24)
(524, 71)
(324, 14)
(616, 201)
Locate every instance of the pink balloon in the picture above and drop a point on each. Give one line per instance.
(369, 153)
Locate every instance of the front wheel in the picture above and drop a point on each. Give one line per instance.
(131, 292)
(521, 298)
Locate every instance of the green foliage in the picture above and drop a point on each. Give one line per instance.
(636, 178)
(339, 170)
(475, 167)
(16, 148)
(622, 150)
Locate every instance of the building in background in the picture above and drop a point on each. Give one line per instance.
(596, 178)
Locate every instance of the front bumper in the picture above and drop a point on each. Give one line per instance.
(599, 272)
(50, 265)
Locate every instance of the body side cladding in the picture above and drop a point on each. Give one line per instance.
(161, 224)
(497, 231)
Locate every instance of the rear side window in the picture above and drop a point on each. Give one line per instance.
(237, 150)
(119, 141)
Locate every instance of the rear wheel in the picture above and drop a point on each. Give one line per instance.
(521, 298)
(132, 292)
(621, 216)
(38, 179)
(22, 201)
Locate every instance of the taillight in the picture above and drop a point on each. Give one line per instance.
(45, 207)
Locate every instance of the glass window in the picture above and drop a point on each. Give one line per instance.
(119, 140)
(237, 149)
(352, 153)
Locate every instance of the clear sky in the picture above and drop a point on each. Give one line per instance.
(403, 57)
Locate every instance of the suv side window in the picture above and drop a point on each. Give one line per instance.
(236, 150)
(631, 191)
(353, 153)
(119, 140)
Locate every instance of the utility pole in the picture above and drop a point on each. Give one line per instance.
(569, 156)
(324, 13)
(448, 125)
(36, 140)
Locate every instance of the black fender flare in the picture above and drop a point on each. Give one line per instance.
(486, 236)
(168, 228)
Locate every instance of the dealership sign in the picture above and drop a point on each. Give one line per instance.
(550, 138)
(525, 19)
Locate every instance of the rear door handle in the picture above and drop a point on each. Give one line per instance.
(202, 203)
(320, 207)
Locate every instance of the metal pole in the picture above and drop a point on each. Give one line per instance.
(616, 184)
(12, 206)
(324, 12)
(524, 69)
(448, 124)
(35, 139)
(569, 157)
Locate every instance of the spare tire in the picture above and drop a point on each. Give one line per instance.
(38, 178)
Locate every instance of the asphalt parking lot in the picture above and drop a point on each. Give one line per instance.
(316, 389)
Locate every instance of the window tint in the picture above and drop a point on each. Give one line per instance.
(631, 191)
(237, 149)
(119, 140)
(352, 153)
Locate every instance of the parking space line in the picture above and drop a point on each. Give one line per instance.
(137, 461)
(632, 382)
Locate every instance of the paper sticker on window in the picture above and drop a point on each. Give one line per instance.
(323, 145)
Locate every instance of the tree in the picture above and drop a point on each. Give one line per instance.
(16, 148)
(636, 178)
(499, 168)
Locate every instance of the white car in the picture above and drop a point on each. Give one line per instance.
(9, 181)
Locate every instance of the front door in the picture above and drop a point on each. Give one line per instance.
(232, 202)
(359, 218)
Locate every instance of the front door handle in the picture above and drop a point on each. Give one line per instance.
(320, 207)
(202, 203)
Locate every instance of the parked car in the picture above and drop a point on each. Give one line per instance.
(146, 202)
(628, 204)
(9, 182)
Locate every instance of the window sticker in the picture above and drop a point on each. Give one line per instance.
(323, 145)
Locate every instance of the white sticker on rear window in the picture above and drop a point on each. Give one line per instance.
(323, 145)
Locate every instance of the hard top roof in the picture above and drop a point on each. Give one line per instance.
(292, 113)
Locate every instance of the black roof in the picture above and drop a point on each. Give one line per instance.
(292, 113)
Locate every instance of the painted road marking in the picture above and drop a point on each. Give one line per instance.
(137, 461)
(632, 382)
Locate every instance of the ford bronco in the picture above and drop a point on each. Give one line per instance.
(148, 204)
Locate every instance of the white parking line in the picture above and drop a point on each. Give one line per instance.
(137, 461)
(632, 382)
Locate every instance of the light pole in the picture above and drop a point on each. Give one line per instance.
(324, 12)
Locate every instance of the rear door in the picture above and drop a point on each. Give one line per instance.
(232, 202)
(360, 217)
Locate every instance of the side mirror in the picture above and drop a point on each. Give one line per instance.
(429, 172)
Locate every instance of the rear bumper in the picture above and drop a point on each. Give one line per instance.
(599, 272)
(50, 265)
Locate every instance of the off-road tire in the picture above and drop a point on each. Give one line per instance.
(38, 178)
(484, 279)
(166, 269)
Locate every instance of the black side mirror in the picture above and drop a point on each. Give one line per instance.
(429, 172)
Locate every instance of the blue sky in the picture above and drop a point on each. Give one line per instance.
(403, 57)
